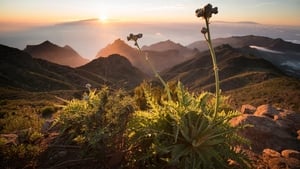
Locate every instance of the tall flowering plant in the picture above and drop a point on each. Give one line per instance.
(206, 13)
(135, 37)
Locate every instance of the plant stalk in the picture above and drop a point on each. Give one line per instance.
(215, 67)
(156, 74)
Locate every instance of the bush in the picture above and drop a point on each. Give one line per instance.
(96, 122)
(26, 124)
(183, 132)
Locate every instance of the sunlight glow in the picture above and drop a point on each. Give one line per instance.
(103, 18)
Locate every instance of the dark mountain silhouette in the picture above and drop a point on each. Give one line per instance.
(161, 59)
(236, 70)
(245, 41)
(116, 68)
(56, 54)
(20, 70)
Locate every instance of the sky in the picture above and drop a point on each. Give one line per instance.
(16, 14)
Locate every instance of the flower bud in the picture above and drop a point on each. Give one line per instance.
(207, 11)
(199, 12)
(204, 30)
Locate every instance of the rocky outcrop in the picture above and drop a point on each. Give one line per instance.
(274, 135)
(286, 159)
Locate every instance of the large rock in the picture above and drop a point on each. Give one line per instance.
(272, 128)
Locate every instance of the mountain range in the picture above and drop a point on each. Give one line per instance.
(56, 54)
(19, 70)
(236, 69)
(162, 55)
(250, 64)
(245, 41)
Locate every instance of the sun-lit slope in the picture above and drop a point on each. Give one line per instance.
(56, 54)
(283, 92)
(19, 70)
(161, 59)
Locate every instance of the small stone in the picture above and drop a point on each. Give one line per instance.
(248, 109)
(269, 153)
(10, 139)
(266, 110)
(290, 154)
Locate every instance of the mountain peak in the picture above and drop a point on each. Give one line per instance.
(117, 68)
(56, 54)
(118, 46)
(47, 42)
(163, 46)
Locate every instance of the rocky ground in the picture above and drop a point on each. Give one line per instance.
(274, 136)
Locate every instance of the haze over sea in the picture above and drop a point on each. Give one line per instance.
(87, 37)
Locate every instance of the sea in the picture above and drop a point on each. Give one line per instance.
(87, 37)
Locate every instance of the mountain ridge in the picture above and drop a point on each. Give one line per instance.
(51, 52)
(161, 59)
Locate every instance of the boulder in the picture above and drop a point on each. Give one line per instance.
(266, 133)
(291, 154)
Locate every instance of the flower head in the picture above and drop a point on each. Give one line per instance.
(207, 11)
(134, 38)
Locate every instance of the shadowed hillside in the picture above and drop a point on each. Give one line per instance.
(56, 54)
(246, 77)
(19, 70)
(116, 68)
(197, 73)
(245, 41)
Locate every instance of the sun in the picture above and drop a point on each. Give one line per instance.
(102, 18)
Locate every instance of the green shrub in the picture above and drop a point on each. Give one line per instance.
(184, 132)
(96, 122)
(26, 124)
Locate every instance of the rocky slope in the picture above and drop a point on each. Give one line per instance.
(274, 136)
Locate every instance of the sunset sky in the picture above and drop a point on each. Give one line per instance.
(15, 13)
